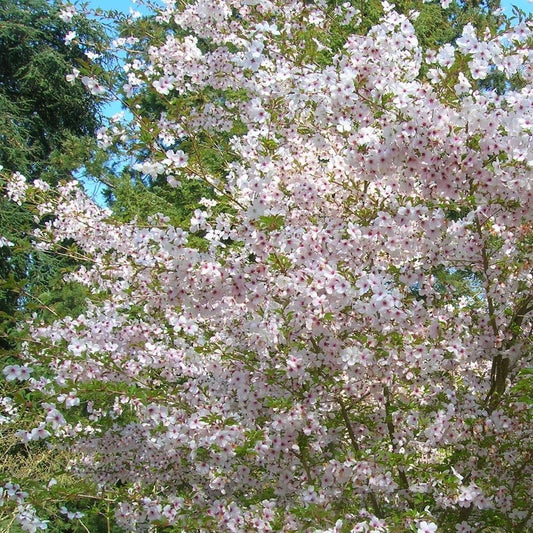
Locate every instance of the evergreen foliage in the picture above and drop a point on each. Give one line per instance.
(46, 130)
(39, 108)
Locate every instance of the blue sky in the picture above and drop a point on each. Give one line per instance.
(524, 5)
(117, 5)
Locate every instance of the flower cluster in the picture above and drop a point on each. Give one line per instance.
(25, 513)
(341, 349)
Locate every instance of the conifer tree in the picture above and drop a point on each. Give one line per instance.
(46, 130)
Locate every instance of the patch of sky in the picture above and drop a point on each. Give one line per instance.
(524, 5)
(113, 108)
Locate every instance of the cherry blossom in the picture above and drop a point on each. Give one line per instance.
(337, 336)
(426, 527)
(16, 187)
(93, 85)
(67, 13)
(17, 372)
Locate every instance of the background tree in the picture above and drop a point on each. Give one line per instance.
(47, 126)
(40, 109)
(47, 131)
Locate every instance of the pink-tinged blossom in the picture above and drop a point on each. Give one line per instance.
(70, 399)
(164, 84)
(5, 242)
(341, 330)
(446, 56)
(69, 37)
(8, 410)
(28, 520)
(176, 159)
(67, 13)
(17, 372)
(16, 187)
(38, 433)
(463, 85)
(426, 527)
(55, 419)
(93, 85)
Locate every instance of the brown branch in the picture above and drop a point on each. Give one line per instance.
(344, 412)
(347, 423)
(404, 482)
(499, 370)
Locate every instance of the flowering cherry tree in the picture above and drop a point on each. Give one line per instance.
(299, 357)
